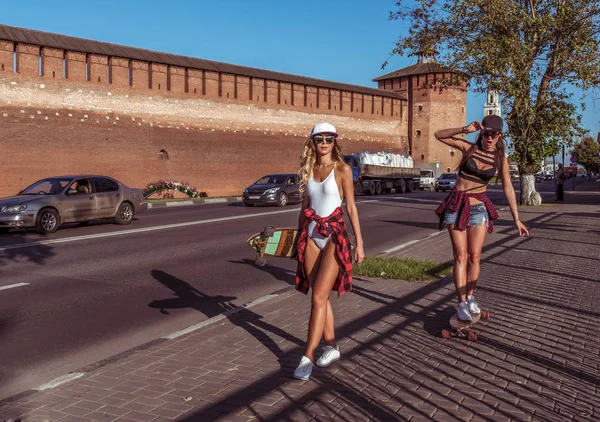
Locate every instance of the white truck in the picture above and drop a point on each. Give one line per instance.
(381, 172)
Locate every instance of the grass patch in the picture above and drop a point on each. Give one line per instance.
(402, 268)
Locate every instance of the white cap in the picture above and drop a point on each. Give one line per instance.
(323, 127)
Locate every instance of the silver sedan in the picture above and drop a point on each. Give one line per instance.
(50, 202)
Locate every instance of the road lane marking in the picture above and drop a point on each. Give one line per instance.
(60, 380)
(410, 242)
(10, 286)
(218, 317)
(142, 230)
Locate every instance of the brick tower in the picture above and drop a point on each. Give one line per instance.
(430, 108)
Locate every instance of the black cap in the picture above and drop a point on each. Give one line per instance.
(492, 123)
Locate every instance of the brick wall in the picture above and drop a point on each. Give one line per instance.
(6, 57)
(52, 63)
(76, 66)
(216, 145)
(28, 60)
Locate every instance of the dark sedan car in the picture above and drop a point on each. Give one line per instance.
(446, 182)
(279, 189)
(50, 202)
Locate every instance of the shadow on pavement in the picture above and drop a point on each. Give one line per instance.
(287, 276)
(190, 297)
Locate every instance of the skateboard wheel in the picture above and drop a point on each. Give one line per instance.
(260, 261)
(445, 334)
(472, 336)
(485, 315)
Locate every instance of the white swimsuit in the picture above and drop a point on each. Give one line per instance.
(324, 199)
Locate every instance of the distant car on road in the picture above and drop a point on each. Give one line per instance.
(446, 182)
(279, 189)
(427, 180)
(50, 202)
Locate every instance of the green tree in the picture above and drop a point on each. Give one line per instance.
(533, 52)
(587, 153)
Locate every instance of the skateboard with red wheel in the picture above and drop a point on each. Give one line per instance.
(463, 329)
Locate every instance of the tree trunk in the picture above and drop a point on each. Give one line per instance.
(529, 196)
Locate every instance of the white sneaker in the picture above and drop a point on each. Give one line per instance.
(304, 369)
(463, 312)
(473, 307)
(330, 355)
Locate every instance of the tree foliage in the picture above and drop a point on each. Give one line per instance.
(533, 52)
(587, 153)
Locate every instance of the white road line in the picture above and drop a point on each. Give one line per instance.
(60, 380)
(410, 242)
(218, 317)
(10, 286)
(142, 230)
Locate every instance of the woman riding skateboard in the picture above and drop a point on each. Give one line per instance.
(467, 211)
(323, 245)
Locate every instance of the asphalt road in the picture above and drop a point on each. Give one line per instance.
(87, 293)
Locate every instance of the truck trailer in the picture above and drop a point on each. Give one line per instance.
(392, 172)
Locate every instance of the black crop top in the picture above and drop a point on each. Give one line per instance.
(470, 171)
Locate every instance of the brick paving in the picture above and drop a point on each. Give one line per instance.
(536, 359)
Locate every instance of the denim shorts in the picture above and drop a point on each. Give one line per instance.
(479, 214)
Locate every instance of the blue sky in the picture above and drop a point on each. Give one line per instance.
(345, 41)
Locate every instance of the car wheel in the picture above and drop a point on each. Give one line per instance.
(282, 200)
(437, 190)
(47, 221)
(125, 213)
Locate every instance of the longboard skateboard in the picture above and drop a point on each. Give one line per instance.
(273, 241)
(463, 329)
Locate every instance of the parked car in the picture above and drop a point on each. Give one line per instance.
(50, 202)
(279, 189)
(427, 180)
(446, 182)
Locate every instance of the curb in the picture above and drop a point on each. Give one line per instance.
(194, 202)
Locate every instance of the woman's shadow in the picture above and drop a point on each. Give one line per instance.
(186, 296)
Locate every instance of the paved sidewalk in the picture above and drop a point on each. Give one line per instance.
(536, 359)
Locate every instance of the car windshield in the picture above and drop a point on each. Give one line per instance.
(271, 180)
(426, 173)
(448, 176)
(52, 186)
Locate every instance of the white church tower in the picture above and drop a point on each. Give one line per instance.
(492, 106)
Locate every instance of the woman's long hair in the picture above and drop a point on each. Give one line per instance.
(309, 159)
(499, 153)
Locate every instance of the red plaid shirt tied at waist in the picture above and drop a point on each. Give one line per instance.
(339, 236)
(458, 201)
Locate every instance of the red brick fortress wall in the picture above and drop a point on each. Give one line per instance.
(220, 147)
(69, 112)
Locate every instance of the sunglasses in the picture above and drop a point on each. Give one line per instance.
(319, 139)
(490, 134)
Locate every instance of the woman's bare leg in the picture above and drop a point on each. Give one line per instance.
(326, 275)
(312, 260)
(459, 247)
(475, 239)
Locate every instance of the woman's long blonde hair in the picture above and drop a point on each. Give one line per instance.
(309, 159)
